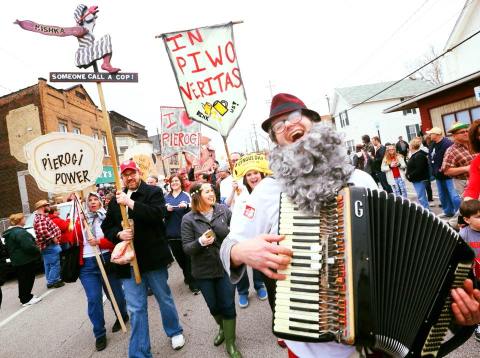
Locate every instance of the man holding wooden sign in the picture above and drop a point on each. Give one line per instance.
(146, 207)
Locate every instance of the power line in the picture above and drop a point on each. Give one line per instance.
(411, 73)
(377, 49)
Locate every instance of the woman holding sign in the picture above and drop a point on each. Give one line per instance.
(90, 275)
(203, 231)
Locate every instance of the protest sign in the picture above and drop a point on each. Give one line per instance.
(179, 132)
(64, 162)
(208, 75)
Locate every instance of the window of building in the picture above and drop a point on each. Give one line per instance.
(475, 113)
(409, 111)
(105, 145)
(62, 127)
(465, 116)
(412, 131)
(80, 95)
(344, 119)
(76, 130)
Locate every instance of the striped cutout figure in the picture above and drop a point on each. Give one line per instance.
(89, 49)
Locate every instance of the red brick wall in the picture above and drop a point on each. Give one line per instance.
(9, 166)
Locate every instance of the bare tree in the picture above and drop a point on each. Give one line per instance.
(431, 73)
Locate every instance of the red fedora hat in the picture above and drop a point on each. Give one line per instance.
(283, 103)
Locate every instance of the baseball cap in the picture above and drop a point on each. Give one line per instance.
(128, 164)
(457, 126)
(435, 130)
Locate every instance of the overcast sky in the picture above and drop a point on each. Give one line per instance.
(302, 47)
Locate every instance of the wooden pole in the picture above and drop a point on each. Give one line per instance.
(102, 269)
(113, 156)
(233, 23)
(228, 154)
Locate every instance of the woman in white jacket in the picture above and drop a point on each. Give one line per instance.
(394, 166)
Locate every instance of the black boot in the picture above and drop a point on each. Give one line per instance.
(101, 343)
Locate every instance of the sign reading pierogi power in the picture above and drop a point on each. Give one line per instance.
(64, 162)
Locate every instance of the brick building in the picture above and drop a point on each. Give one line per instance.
(29, 113)
(128, 133)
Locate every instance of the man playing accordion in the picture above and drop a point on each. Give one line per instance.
(309, 166)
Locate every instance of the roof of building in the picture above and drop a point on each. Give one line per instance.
(406, 88)
(457, 33)
(413, 102)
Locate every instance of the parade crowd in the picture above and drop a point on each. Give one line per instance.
(216, 223)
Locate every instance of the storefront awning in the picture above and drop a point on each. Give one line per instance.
(107, 175)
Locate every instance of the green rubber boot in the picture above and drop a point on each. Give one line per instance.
(229, 328)
(220, 337)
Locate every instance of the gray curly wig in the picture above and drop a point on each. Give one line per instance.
(312, 169)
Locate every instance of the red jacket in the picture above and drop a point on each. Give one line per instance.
(67, 235)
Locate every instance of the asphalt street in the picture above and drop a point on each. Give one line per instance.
(58, 326)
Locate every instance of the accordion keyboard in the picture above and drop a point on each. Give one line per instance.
(311, 301)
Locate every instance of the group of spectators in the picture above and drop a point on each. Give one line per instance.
(432, 157)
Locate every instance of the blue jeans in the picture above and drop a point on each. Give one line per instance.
(244, 284)
(421, 190)
(219, 294)
(448, 196)
(399, 188)
(136, 296)
(92, 283)
(51, 263)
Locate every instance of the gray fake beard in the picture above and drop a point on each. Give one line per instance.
(313, 169)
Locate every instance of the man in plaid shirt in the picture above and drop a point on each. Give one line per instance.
(456, 162)
(47, 237)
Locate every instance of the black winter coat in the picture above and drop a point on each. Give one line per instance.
(206, 259)
(417, 167)
(377, 160)
(151, 246)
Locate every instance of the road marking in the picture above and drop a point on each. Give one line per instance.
(21, 310)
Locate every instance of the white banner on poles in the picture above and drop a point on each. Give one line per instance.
(208, 75)
(64, 162)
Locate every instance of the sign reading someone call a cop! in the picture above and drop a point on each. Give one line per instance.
(208, 76)
(179, 133)
(64, 162)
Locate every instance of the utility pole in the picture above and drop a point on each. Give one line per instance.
(256, 138)
(251, 140)
(270, 87)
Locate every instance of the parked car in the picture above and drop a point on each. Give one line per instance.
(63, 208)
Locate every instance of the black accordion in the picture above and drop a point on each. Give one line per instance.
(372, 269)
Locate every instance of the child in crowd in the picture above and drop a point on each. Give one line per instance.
(470, 210)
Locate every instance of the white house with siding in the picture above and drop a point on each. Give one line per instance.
(465, 59)
(354, 118)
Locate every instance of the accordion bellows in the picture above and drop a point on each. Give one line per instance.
(371, 269)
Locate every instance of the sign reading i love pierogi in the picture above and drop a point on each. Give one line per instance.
(64, 162)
